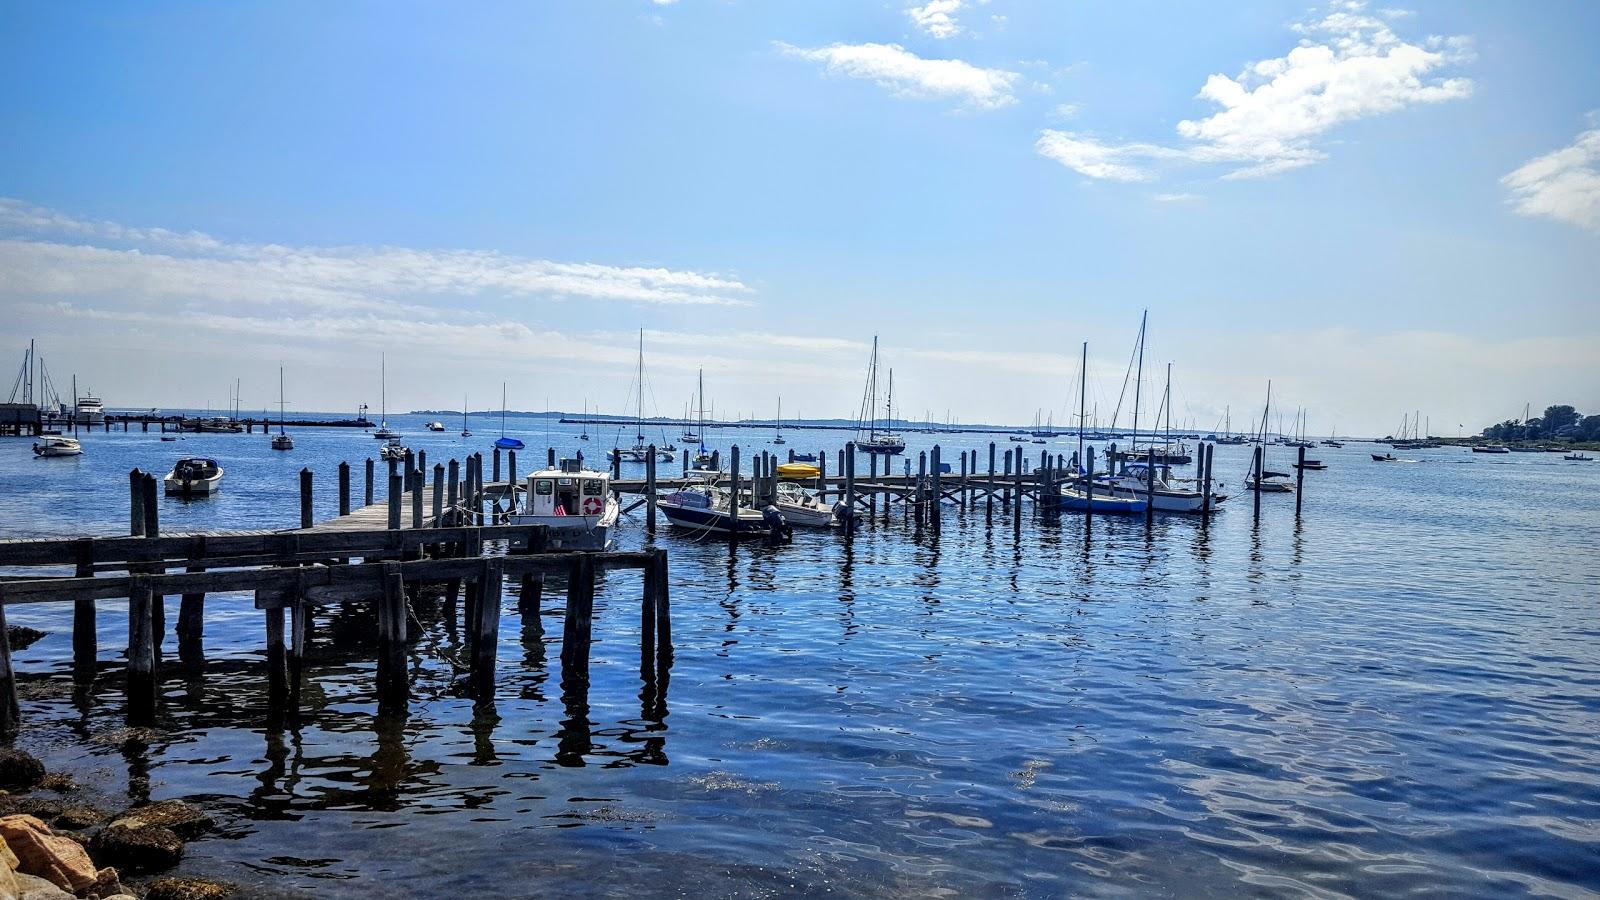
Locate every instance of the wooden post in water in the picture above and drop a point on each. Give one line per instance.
(650, 489)
(344, 489)
(848, 464)
(1150, 487)
(872, 478)
(395, 490)
(733, 494)
(1299, 480)
(1016, 509)
(481, 494)
(141, 679)
(989, 494)
(393, 686)
(454, 485)
(305, 498)
(1205, 480)
(416, 500)
(1256, 488)
(1005, 495)
(918, 496)
(85, 644)
(663, 607)
(938, 487)
(550, 457)
(822, 474)
(577, 623)
(438, 494)
(487, 627)
(152, 529)
(277, 668)
(406, 465)
(422, 464)
(496, 464)
(369, 482)
(616, 464)
(961, 492)
(511, 475)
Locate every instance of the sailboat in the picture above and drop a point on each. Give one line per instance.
(778, 438)
(281, 440)
(465, 431)
(584, 435)
(640, 451)
(875, 441)
(503, 442)
(696, 435)
(1264, 480)
(1082, 494)
(384, 433)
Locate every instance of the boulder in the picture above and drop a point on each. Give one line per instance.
(173, 888)
(19, 770)
(108, 884)
(180, 818)
(148, 848)
(22, 637)
(32, 887)
(56, 858)
(77, 817)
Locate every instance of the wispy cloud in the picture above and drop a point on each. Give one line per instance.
(1347, 66)
(1176, 198)
(906, 74)
(936, 18)
(1564, 185)
(45, 252)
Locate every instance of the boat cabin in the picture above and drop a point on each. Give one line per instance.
(570, 490)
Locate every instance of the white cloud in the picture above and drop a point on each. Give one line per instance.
(90, 258)
(906, 74)
(1564, 185)
(1088, 156)
(1347, 66)
(1176, 198)
(936, 17)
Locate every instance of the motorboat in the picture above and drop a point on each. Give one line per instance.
(435, 426)
(1493, 448)
(802, 507)
(218, 425)
(392, 450)
(805, 457)
(57, 445)
(1315, 465)
(702, 505)
(1385, 457)
(1167, 496)
(575, 504)
(194, 475)
(1270, 483)
(1578, 456)
(1105, 498)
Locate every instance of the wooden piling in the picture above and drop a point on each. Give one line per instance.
(141, 678)
(938, 486)
(395, 491)
(848, 464)
(85, 643)
(369, 482)
(1256, 488)
(733, 495)
(10, 708)
(152, 529)
(438, 495)
(416, 501)
(277, 668)
(496, 464)
(1299, 480)
(577, 624)
(344, 489)
(1088, 492)
(822, 475)
(1016, 509)
(872, 478)
(550, 457)
(661, 588)
(455, 484)
(1005, 495)
(393, 685)
(1205, 468)
(511, 475)
(486, 630)
(650, 489)
(989, 494)
(305, 498)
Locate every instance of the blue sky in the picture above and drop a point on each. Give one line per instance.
(1395, 209)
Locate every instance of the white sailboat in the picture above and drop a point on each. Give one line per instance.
(1083, 494)
(281, 440)
(465, 431)
(874, 440)
(640, 451)
(778, 438)
(384, 433)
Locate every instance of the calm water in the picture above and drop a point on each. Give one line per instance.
(1400, 694)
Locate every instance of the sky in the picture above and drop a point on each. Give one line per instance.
(1380, 209)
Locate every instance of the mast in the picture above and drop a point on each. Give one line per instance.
(502, 409)
(383, 390)
(1083, 380)
(1166, 401)
(638, 428)
(888, 413)
(872, 393)
(280, 399)
(1139, 378)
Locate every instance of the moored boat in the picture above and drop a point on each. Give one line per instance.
(802, 507)
(50, 445)
(1492, 448)
(1106, 498)
(885, 441)
(194, 475)
(703, 506)
(1167, 496)
(1578, 456)
(574, 503)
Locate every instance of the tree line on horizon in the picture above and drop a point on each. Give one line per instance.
(1559, 421)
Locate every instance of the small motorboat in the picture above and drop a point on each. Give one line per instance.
(805, 457)
(1385, 457)
(801, 507)
(1270, 483)
(392, 450)
(194, 475)
(435, 426)
(702, 506)
(1108, 500)
(1316, 465)
(1491, 449)
(1167, 495)
(1578, 456)
(508, 443)
(57, 445)
(168, 437)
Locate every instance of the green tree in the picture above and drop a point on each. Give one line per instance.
(1589, 428)
(1556, 418)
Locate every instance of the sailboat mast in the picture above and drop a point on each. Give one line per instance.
(1083, 380)
(502, 409)
(1166, 401)
(1138, 378)
(280, 399)
(638, 428)
(872, 392)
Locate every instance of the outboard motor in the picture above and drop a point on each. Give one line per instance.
(845, 515)
(778, 530)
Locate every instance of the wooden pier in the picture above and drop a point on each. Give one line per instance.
(362, 556)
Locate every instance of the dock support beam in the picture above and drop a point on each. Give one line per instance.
(650, 489)
(141, 683)
(369, 482)
(1256, 487)
(393, 686)
(344, 489)
(1299, 480)
(486, 628)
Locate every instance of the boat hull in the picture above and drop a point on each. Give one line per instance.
(187, 487)
(750, 522)
(1075, 500)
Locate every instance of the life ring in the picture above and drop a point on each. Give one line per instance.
(592, 506)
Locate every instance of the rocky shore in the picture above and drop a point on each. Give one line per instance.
(53, 847)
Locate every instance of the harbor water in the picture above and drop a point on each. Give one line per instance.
(1397, 693)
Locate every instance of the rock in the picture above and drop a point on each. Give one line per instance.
(172, 888)
(41, 808)
(56, 858)
(61, 784)
(8, 873)
(32, 887)
(107, 884)
(150, 848)
(21, 636)
(77, 817)
(182, 819)
(19, 770)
